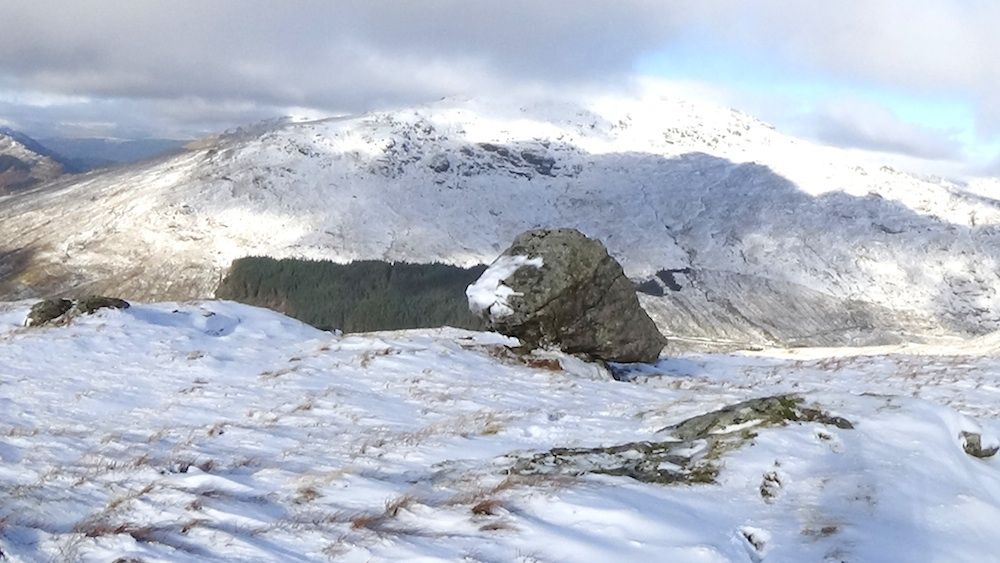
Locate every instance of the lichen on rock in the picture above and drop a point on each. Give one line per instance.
(690, 455)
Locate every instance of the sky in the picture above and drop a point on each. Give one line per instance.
(910, 77)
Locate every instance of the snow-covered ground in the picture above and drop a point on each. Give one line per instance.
(212, 431)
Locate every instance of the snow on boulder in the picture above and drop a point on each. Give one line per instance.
(560, 288)
(488, 296)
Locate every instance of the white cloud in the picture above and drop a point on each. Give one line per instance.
(862, 124)
(933, 47)
(192, 66)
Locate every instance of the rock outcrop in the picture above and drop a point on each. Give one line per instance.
(92, 303)
(59, 311)
(972, 443)
(692, 451)
(560, 288)
(46, 311)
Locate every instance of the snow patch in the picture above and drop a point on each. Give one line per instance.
(489, 294)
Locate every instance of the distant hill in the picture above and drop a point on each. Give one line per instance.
(24, 162)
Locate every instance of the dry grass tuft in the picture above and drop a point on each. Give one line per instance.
(497, 526)
(274, 374)
(393, 506)
(507, 356)
(823, 532)
(487, 507)
(373, 522)
(366, 358)
(379, 522)
(307, 494)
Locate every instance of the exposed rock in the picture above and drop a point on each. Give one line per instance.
(543, 164)
(561, 288)
(45, 312)
(692, 452)
(57, 311)
(439, 163)
(766, 410)
(972, 443)
(92, 303)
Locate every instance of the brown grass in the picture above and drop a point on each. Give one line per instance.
(507, 356)
(402, 502)
(487, 507)
(379, 522)
(371, 522)
(307, 494)
(274, 374)
(823, 532)
(497, 526)
(366, 358)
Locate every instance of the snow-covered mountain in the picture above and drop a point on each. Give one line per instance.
(24, 162)
(752, 237)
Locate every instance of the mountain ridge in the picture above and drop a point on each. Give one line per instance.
(784, 242)
(25, 162)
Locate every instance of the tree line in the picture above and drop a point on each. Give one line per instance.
(359, 296)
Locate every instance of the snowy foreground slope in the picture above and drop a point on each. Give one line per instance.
(218, 432)
(758, 238)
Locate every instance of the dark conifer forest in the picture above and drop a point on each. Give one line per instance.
(360, 296)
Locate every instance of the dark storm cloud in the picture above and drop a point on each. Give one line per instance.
(342, 55)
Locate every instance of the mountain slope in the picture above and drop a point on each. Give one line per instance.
(753, 237)
(24, 162)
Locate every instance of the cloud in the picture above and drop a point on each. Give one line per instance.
(344, 54)
(193, 66)
(860, 124)
(930, 47)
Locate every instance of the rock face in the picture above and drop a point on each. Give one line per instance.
(561, 288)
(57, 311)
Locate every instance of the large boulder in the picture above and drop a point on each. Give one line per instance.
(560, 288)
